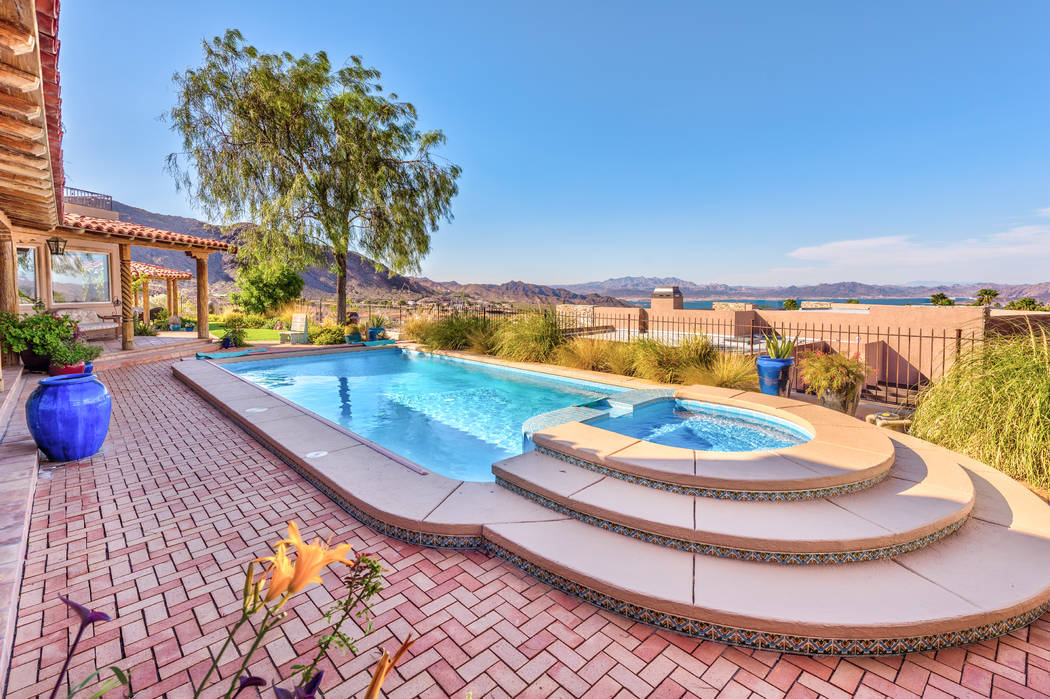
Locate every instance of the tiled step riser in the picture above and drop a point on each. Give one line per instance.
(694, 546)
(722, 494)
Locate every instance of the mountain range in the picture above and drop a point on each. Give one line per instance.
(641, 287)
(366, 282)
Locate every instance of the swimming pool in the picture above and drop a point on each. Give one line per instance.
(451, 416)
(705, 426)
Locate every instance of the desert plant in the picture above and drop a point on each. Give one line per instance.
(378, 321)
(530, 337)
(696, 350)
(656, 361)
(417, 328)
(779, 347)
(993, 405)
(584, 353)
(726, 370)
(941, 299)
(1026, 303)
(145, 329)
(482, 339)
(832, 371)
(459, 332)
(619, 358)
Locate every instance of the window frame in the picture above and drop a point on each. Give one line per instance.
(80, 304)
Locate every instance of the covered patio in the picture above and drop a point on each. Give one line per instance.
(146, 273)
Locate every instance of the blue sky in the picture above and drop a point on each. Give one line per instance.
(761, 142)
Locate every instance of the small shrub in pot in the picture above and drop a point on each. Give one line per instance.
(835, 378)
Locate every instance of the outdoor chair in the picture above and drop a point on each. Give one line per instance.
(298, 334)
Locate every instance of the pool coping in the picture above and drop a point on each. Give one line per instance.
(428, 509)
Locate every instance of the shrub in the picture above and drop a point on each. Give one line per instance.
(266, 287)
(71, 352)
(144, 329)
(459, 332)
(327, 334)
(726, 370)
(378, 321)
(656, 361)
(482, 339)
(822, 371)
(232, 318)
(530, 337)
(993, 405)
(416, 328)
(790, 305)
(584, 353)
(39, 332)
(619, 358)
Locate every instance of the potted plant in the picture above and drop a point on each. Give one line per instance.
(835, 378)
(33, 336)
(73, 357)
(774, 368)
(376, 327)
(351, 333)
(174, 322)
(234, 335)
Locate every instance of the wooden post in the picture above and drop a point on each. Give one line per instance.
(167, 297)
(145, 300)
(8, 284)
(127, 300)
(202, 295)
(175, 295)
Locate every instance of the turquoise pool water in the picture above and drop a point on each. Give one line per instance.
(451, 416)
(705, 426)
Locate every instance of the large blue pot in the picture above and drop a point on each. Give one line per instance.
(68, 416)
(774, 375)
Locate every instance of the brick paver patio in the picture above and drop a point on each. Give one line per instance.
(155, 531)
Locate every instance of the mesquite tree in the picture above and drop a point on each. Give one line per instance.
(321, 160)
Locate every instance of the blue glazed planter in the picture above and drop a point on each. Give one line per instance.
(68, 416)
(373, 333)
(774, 375)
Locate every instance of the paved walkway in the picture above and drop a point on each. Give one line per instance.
(155, 531)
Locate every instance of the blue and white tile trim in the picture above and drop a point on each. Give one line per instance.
(722, 494)
(764, 640)
(728, 551)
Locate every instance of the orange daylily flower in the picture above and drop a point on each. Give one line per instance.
(287, 577)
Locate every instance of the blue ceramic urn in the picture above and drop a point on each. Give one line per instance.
(68, 416)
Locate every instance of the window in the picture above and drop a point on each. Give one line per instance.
(27, 292)
(80, 277)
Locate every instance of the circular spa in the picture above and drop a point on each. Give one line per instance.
(692, 424)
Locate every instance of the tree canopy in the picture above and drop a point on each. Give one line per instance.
(790, 305)
(265, 288)
(322, 160)
(941, 299)
(986, 297)
(1026, 303)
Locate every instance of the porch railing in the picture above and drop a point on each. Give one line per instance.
(83, 197)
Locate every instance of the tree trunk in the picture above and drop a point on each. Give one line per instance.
(340, 287)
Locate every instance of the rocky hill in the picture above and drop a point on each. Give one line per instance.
(521, 292)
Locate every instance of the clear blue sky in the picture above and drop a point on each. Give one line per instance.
(759, 142)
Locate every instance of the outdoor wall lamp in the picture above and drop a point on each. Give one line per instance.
(56, 245)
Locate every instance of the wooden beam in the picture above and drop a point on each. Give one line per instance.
(23, 171)
(202, 296)
(30, 162)
(18, 79)
(127, 323)
(22, 145)
(16, 38)
(19, 106)
(20, 127)
(35, 193)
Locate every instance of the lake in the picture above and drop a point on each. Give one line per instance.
(774, 303)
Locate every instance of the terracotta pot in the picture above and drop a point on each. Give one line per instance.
(62, 369)
(844, 401)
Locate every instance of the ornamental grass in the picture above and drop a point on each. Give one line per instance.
(993, 405)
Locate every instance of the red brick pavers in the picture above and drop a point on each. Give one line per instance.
(156, 529)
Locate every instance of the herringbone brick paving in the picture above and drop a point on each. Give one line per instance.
(155, 531)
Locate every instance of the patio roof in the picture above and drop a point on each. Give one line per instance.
(144, 269)
(135, 234)
(31, 175)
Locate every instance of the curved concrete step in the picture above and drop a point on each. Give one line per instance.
(929, 499)
(845, 455)
(989, 578)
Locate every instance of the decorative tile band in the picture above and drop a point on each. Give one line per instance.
(720, 493)
(730, 552)
(764, 640)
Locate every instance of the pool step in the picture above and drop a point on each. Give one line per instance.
(988, 578)
(925, 498)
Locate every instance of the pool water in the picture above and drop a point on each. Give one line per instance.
(704, 426)
(451, 416)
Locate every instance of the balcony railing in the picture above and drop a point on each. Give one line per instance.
(83, 197)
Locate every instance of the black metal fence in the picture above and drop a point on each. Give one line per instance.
(84, 197)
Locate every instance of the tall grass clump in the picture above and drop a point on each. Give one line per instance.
(417, 328)
(656, 361)
(584, 353)
(530, 337)
(619, 358)
(725, 370)
(993, 405)
(458, 332)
